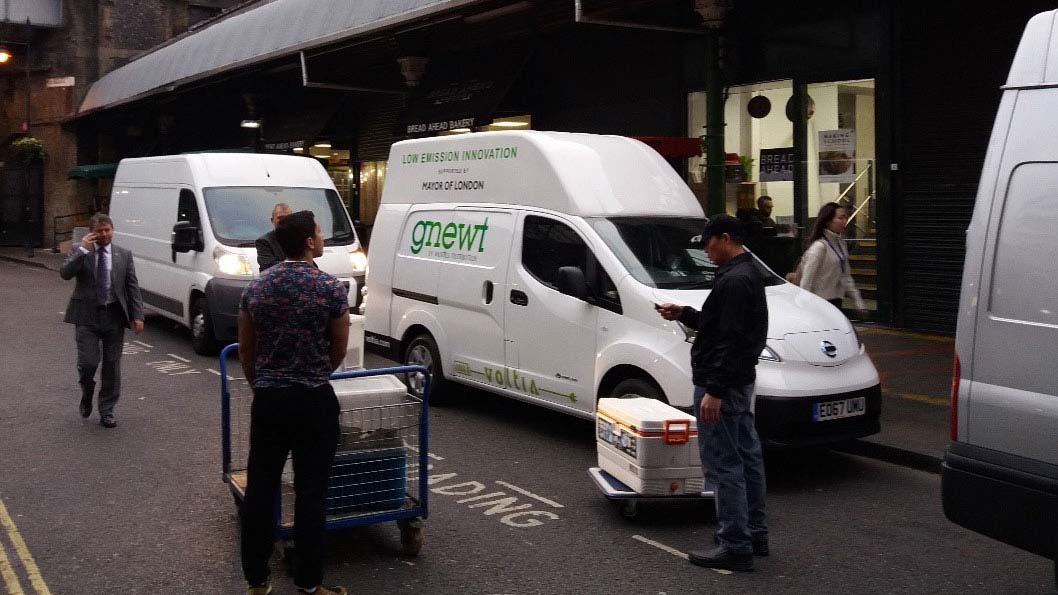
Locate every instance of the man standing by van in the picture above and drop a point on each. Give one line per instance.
(293, 330)
(269, 252)
(106, 300)
(732, 331)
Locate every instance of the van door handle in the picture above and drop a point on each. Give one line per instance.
(488, 292)
(518, 298)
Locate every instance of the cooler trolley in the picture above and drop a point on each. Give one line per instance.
(647, 450)
(380, 468)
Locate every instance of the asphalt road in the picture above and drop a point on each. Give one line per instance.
(142, 508)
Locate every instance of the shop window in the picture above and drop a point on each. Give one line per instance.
(372, 179)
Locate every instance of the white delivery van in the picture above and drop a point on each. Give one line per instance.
(191, 222)
(1000, 473)
(529, 263)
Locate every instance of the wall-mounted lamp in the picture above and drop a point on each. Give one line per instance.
(5, 55)
(412, 68)
(250, 124)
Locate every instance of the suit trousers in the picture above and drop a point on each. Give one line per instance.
(105, 338)
(302, 421)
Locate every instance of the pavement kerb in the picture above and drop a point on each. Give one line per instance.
(33, 262)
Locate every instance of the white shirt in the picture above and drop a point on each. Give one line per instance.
(826, 270)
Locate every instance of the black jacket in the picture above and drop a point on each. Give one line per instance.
(269, 252)
(732, 328)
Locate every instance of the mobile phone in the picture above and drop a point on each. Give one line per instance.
(657, 306)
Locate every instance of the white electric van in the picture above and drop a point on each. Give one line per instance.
(1000, 473)
(529, 263)
(191, 222)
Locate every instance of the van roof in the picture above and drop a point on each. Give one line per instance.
(224, 169)
(587, 175)
(1036, 61)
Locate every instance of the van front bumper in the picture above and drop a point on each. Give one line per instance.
(223, 297)
(1008, 498)
(787, 421)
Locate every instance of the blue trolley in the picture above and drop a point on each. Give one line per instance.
(380, 468)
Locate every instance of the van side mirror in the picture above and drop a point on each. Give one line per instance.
(186, 237)
(571, 282)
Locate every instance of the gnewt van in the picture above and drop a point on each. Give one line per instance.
(191, 222)
(1000, 472)
(528, 264)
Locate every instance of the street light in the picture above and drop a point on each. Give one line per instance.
(5, 55)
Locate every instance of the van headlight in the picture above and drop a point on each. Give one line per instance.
(769, 355)
(232, 264)
(359, 261)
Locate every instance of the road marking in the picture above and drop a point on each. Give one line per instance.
(673, 551)
(174, 356)
(147, 345)
(429, 454)
(8, 574)
(932, 400)
(32, 571)
(873, 330)
(525, 492)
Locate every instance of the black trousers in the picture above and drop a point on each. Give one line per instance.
(304, 421)
(108, 331)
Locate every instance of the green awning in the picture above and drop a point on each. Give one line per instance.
(93, 172)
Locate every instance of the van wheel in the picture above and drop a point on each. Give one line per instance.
(636, 387)
(203, 341)
(422, 351)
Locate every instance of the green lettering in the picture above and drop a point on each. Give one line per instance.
(483, 228)
(467, 235)
(449, 236)
(532, 388)
(418, 234)
(433, 239)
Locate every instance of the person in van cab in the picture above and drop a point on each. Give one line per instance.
(269, 252)
(732, 329)
(825, 267)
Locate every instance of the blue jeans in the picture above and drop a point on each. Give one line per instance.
(732, 461)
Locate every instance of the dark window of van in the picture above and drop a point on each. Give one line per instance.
(549, 244)
(187, 208)
(1024, 283)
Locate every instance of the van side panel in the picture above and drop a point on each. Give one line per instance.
(1014, 400)
(380, 260)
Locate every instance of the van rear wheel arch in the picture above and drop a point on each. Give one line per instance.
(418, 346)
(628, 380)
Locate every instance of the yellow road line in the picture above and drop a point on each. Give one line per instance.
(8, 574)
(28, 563)
(932, 400)
(873, 330)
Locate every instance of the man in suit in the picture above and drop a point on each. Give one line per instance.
(269, 252)
(106, 300)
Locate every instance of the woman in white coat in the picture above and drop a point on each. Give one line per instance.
(825, 267)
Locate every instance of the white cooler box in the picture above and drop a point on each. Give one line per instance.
(649, 446)
(369, 401)
(354, 353)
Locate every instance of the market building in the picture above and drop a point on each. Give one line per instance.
(883, 107)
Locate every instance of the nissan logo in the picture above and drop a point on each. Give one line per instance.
(828, 349)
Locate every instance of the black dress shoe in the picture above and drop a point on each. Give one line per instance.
(86, 405)
(107, 421)
(760, 544)
(720, 557)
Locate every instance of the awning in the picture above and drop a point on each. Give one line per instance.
(673, 146)
(461, 90)
(93, 172)
(272, 30)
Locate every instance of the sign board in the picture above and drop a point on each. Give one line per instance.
(39, 13)
(776, 165)
(837, 156)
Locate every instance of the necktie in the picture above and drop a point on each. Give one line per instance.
(102, 279)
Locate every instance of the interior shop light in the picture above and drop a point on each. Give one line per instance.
(460, 130)
(298, 149)
(322, 145)
(250, 124)
(509, 124)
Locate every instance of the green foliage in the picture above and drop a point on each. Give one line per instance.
(28, 149)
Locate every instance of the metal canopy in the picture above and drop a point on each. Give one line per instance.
(93, 172)
(282, 27)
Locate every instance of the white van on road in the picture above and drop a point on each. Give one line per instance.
(1000, 473)
(191, 221)
(529, 263)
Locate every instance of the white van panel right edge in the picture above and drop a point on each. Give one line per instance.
(1031, 65)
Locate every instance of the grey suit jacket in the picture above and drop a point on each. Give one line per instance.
(269, 252)
(83, 302)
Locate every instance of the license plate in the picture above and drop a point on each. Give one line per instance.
(839, 409)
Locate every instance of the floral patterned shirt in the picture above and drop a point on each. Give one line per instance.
(291, 305)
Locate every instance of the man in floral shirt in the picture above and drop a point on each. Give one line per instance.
(293, 330)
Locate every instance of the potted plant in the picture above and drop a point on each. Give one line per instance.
(27, 150)
(747, 167)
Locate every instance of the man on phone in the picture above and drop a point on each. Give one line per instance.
(106, 300)
(732, 331)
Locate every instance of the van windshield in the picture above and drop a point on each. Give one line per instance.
(241, 214)
(665, 252)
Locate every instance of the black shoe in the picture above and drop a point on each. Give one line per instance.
(719, 557)
(760, 544)
(107, 421)
(86, 405)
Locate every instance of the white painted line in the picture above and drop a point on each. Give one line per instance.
(526, 492)
(187, 361)
(429, 454)
(673, 551)
(212, 371)
(144, 344)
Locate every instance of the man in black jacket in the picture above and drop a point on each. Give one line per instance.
(732, 332)
(269, 252)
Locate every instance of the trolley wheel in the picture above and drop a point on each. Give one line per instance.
(411, 536)
(629, 508)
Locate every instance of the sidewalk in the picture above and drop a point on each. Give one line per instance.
(915, 370)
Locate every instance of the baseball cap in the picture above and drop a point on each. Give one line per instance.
(721, 224)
